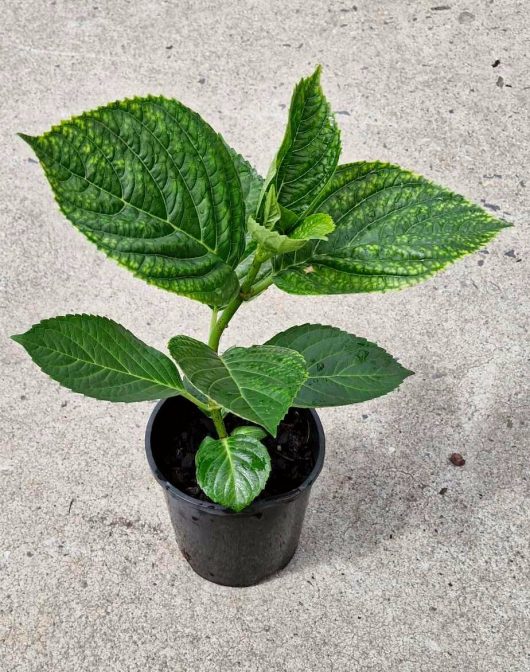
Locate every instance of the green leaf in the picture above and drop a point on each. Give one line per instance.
(310, 149)
(288, 221)
(251, 182)
(271, 213)
(272, 241)
(232, 471)
(314, 227)
(99, 358)
(393, 229)
(257, 383)
(154, 187)
(343, 369)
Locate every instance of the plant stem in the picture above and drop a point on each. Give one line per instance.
(194, 400)
(218, 325)
(217, 418)
(260, 287)
(213, 319)
(216, 330)
(226, 316)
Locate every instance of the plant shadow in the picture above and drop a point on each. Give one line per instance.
(370, 491)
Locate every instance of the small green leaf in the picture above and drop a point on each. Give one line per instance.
(343, 369)
(257, 383)
(393, 229)
(99, 358)
(232, 471)
(271, 213)
(310, 149)
(250, 430)
(272, 241)
(314, 227)
(154, 187)
(288, 221)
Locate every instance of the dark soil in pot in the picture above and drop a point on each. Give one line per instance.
(292, 458)
(234, 549)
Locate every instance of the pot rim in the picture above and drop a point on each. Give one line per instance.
(255, 507)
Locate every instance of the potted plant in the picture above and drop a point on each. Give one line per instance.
(235, 441)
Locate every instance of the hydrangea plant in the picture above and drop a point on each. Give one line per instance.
(152, 185)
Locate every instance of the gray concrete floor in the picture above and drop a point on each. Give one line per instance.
(391, 574)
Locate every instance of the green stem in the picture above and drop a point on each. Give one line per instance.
(218, 325)
(212, 409)
(222, 323)
(213, 319)
(212, 338)
(216, 330)
(217, 418)
(259, 287)
(204, 407)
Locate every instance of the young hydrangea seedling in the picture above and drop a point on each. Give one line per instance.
(158, 190)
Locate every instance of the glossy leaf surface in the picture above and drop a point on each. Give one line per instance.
(342, 368)
(99, 358)
(310, 149)
(154, 187)
(232, 471)
(258, 383)
(393, 228)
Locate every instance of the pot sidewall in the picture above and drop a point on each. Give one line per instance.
(238, 549)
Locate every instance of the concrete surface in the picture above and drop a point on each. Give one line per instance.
(391, 574)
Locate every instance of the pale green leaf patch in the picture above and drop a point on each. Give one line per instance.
(273, 241)
(314, 227)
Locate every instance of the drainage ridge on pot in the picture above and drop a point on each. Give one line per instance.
(229, 548)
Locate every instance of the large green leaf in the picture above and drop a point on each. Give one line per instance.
(232, 471)
(393, 229)
(154, 187)
(98, 357)
(342, 368)
(310, 149)
(258, 383)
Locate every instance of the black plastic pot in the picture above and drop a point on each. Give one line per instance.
(233, 549)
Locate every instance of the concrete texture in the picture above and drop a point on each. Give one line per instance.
(391, 574)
